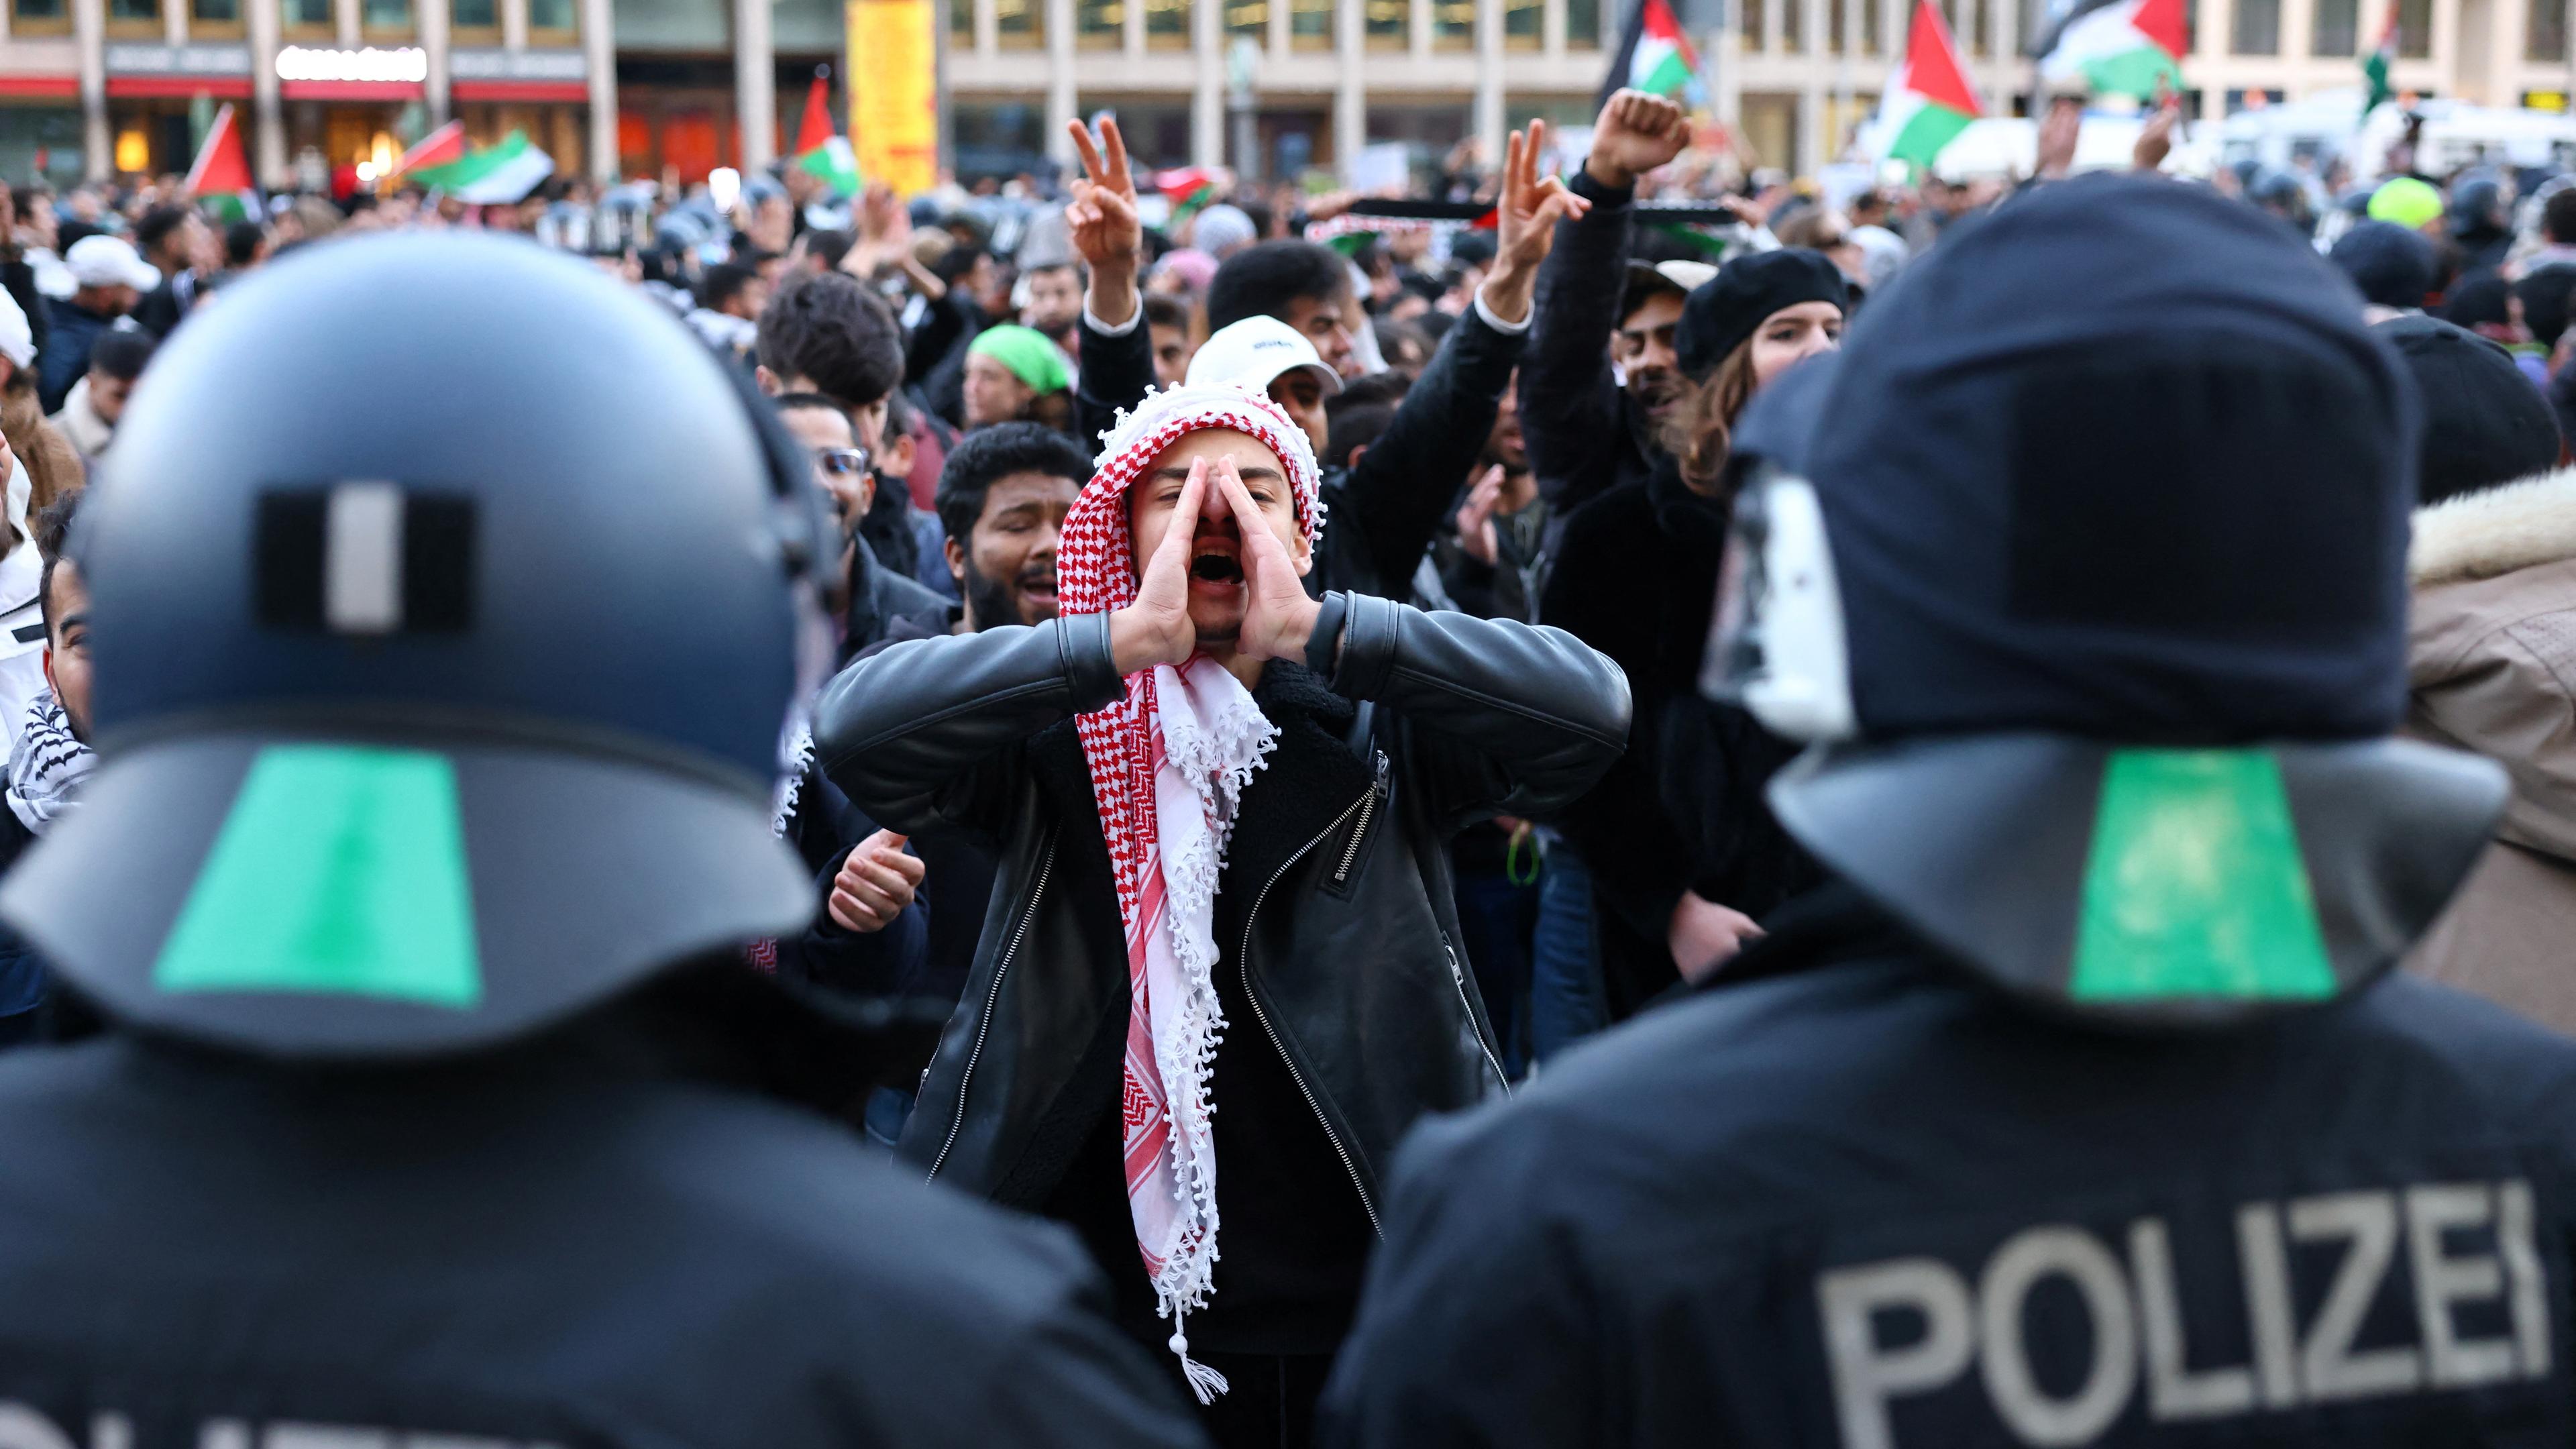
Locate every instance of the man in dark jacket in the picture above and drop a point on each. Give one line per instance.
(2088, 1110)
(409, 1127)
(1390, 503)
(108, 279)
(1588, 429)
(1304, 900)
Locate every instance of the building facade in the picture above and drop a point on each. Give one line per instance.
(674, 88)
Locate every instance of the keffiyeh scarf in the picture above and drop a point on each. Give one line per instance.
(1169, 764)
(46, 765)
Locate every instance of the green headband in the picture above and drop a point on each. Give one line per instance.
(1027, 353)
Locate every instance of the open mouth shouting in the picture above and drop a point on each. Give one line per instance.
(1215, 567)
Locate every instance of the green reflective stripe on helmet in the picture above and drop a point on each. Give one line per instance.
(2195, 886)
(340, 870)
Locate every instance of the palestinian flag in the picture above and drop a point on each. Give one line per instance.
(1190, 190)
(441, 147)
(492, 176)
(820, 151)
(2117, 47)
(1654, 56)
(221, 176)
(2374, 66)
(1928, 102)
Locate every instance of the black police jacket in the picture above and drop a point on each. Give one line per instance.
(574, 1243)
(1348, 949)
(1874, 1204)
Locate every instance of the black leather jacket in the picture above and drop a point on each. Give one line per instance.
(1348, 952)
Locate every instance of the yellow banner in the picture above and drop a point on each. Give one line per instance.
(893, 71)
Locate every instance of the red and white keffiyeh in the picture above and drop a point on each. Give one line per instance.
(1168, 765)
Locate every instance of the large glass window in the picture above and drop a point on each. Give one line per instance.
(473, 20)
(40, 17)
(1453, 24)
(961, 22)
(1390, 24)
(385, 19)
(1583, 24)
(309, 18)
(1020, 23)
(2544, 36)
(1751, 17)
(210, 19)
(1099, 24)
(1837, 24)
(1871, 39)
(1310, 24)
(554, 21)
(1167, 24)
(2337, 29)
(1249, 19)
(1793, 26)
(1981, 37)
(134, 17)
(2415, 29)
(2258, 28)
(1524, 24)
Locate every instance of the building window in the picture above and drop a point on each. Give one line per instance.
(40, 17)
(1310, 24)
(1869, 31)
(214, 19)
(1793, 26)
(1583, 24)
(134, 17)
(1390, 24)
(2258, 28)
(1020, 23)
(474, 21)
(1249, 19)
(2545, 37)
(1837, 21)
(1981, 38)
(1100, 24)
(961, 22)
(309, 19)
(2415, 29)
(553, 22)
(1524, 24)
(385, 19)
(1167, 24)
(2338, 27)
(1751, 17)
(1453, 24)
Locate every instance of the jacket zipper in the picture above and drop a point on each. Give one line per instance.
(1368, 807)
(1243, 965)
(1458, 978)
(984, 1025)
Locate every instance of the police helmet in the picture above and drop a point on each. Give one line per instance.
(448, 606)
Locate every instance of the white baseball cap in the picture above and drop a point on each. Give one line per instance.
(1253, 352)
(17, 339)
(107, 261)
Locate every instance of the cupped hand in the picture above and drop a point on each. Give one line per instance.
(1156, 628)
(1278, 617)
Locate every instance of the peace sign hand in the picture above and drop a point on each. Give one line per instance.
(1102, 218)
(1525, 218)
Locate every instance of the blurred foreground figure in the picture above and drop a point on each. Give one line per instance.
(2087, 1110)
(437, 748)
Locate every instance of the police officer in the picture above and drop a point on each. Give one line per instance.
(447, 605)
(2087, 1110)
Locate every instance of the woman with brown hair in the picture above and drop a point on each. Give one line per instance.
(1683, 852)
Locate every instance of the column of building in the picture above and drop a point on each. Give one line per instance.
(755, 84)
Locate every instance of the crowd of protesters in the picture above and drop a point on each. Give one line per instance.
(1103, 681)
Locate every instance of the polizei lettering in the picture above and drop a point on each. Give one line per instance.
(2443, 1247)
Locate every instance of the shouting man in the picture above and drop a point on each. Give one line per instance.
(1223, 808)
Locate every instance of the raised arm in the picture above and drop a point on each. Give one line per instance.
(1570, 414)
(1117, 346)
(1402, 487)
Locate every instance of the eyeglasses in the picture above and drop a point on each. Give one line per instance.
(841, 462)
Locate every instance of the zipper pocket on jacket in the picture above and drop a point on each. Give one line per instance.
(992, 996)
(1458, 979)
(1243, 965)
(1359, 833)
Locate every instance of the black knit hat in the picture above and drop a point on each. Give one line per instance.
(2484, 423)
(1730, 307)
(2393, 266)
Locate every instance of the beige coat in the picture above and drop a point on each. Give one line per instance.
(2492, 659)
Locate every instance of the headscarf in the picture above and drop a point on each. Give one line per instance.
(1169, 763)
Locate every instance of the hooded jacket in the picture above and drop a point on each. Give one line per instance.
(2492, 665)
(1346, 947)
